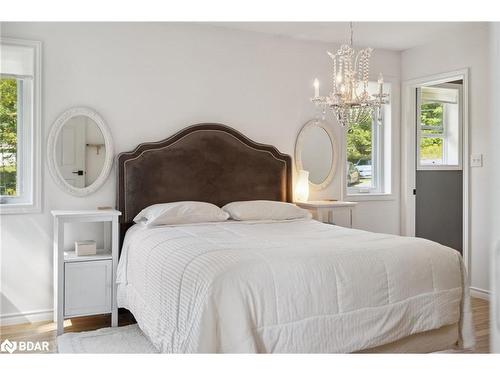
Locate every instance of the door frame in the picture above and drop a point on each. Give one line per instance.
(408, 152)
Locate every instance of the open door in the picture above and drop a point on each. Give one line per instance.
(70, 151)
(439, 172)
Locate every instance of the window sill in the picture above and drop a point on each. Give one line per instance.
(439, 168)
(19, 208)
(361, 197)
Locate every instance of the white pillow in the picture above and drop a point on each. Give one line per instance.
(265, 210)
(185, 212)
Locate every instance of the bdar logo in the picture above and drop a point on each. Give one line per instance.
(8, 346)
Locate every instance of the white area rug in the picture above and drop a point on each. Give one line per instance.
(127, 339)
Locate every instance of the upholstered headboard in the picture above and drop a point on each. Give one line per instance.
(205, 162)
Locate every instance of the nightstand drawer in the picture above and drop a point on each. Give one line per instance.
(87, 287)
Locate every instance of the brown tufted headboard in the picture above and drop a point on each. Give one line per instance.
(205, 162)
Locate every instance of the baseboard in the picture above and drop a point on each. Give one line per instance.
(480, 293)
(27, 317)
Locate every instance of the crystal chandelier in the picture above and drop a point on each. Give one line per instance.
(349, 100)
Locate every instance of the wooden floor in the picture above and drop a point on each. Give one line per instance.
(45, 331)
(481, 313)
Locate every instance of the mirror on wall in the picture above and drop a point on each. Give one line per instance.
(315, 152)
(80, 151)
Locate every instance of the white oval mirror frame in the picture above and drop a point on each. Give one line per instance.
(299, 148)
(52, 157)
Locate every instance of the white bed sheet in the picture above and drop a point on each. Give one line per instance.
(290, 286)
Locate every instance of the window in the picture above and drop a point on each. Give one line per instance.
(19, 126)
(439, 129)
(365, 157)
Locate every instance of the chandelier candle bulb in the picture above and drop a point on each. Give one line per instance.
(316, 88)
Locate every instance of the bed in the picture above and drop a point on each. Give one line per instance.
(291, 286)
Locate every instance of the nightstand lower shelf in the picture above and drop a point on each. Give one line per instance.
(101, 254)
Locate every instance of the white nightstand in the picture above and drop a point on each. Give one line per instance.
(85, 285)
(333, 212)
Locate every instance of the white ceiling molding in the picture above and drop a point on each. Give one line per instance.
(396, 36)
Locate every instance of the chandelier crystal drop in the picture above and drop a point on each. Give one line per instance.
(349, 100)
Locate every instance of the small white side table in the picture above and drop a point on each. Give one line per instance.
(85, 285)
(325, 211)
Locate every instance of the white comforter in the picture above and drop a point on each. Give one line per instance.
(294, 286)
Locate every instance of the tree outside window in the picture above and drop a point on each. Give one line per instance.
(8, 136)
(432, 133)
(359, 154)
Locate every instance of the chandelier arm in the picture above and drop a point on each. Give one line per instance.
(352, 33)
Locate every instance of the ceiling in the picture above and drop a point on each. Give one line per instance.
(396, 36)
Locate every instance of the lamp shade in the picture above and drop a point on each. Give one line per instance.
(302, 187)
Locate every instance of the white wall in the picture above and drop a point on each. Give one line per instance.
(149, 81)
(469, 48)
(494, 216)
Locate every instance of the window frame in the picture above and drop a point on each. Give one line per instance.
(381, 156)
(29, 159)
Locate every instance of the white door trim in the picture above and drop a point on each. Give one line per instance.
(408, 152)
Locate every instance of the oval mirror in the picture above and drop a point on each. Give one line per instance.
(315, 152)
(80, 151)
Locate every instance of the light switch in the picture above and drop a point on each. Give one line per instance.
(476, 160)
